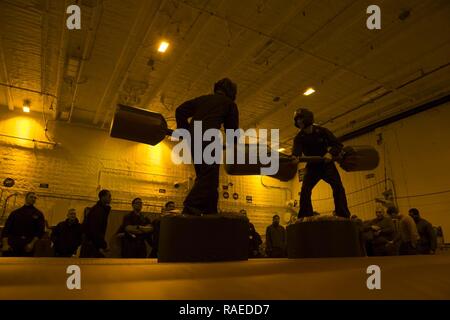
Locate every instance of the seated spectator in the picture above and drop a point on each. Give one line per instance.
(168, 208)
(383, 231)
(23, 228)
(275, 239)
(254, 239)
(137, 229)
(407, 234)
(66, 236)
(94, 228)
(427, 243)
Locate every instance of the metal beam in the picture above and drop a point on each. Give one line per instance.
(125, 60)
(62, 51)
(137, 48)
(177, 58)
(44, 48)
(228, 69)
(4, 75)
(90, 38)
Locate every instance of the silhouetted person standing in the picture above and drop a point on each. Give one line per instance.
(137, 229)
(254, 239)
(314, 140)
(66, 236)
(212, 110)
(23, 228)
(276, 239)
(94, 228)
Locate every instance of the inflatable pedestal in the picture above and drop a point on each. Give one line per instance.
(218, 237)
(323, 238)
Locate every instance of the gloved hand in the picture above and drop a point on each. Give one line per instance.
(328, 157)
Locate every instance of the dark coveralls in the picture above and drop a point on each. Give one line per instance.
(66, 238)
(318, 143)
(213, 110)
(276, 241)
(94, 230)
(254, 241)
(380, 240)
(21, 227)
(133, 245)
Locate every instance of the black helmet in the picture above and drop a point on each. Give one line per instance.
(306, 115)
(226, 86)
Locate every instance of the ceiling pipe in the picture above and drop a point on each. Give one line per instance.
(28, 139)
(28, 90)
(61, 62)
(88, 47)
(178, 56)
(137, 50)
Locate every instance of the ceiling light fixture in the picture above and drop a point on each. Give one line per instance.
(26, 106)
(163, 46)
(309, 91)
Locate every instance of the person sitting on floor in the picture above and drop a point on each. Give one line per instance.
(407, 234)
(383, 231)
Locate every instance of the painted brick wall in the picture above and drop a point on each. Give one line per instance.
(87, 159)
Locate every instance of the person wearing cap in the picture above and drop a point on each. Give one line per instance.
(213, 110)
(314, 140)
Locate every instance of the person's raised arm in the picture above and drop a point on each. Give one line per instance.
(183, 113)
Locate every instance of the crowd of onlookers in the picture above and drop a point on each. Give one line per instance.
(394, 233)
(26, 233)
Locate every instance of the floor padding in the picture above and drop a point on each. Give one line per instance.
(407, 277)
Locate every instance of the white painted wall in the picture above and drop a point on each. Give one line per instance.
(416, 155)
(88, 159)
